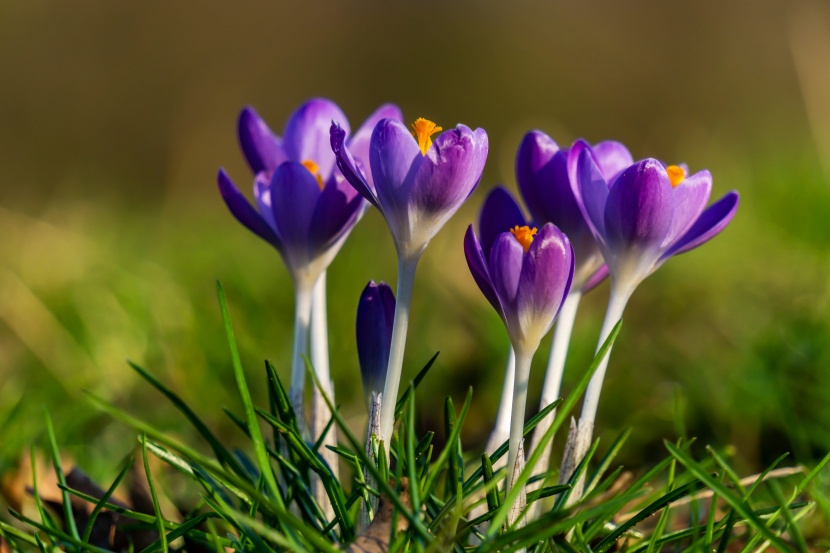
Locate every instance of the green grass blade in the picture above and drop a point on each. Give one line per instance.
(219, 450)
(56, 462)
(99, 505)
(561, 415)
(736, 503)
(250, 413)
(792, 526)
(443, 457)
(153, 496)
(414, 385)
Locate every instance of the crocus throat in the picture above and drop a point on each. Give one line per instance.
(676, 174)
(422, 129)
(314, 169)
(524, 235)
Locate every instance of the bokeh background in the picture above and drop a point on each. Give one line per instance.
(115, 116)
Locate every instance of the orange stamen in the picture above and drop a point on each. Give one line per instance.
(422, 129)
(524, 235)
(314, 169)
(676, 174)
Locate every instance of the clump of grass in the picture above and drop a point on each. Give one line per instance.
(262, 500)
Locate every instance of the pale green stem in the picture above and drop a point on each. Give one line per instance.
(406, 280)
(553, 375)
(616, 305)
(319, 331)
(501, 429)
(302, 316)
(579, 440)
(320, 412)
(517, 418)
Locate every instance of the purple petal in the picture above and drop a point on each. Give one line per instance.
(499, 213)
(307, 133)
(639, 208)
(262, 182)
(545, 280)
(595, 279)
(261, 147)
(450, 171)
(542, 174)
(375, 316)
(505, 268)
(338, 209)
(690, 198)
(294, 195)
(359, 142)
(245, 212)
(590, 189)
(708, 225)
(393, 154)
(348, 167)
(478, 268)
(612, 158)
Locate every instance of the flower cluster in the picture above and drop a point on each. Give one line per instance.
(594, 212)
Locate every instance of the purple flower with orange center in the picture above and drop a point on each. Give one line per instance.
(544, 178)
(417, 183)
(526, 277)
(641, 218)
(304, 207)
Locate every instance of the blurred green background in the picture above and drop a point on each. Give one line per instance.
(115, 116)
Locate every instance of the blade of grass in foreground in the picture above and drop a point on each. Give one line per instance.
(219, 450)
(736, 503)
(56, 462)
(250, 414)
(154, 498)
(567, 406)
(378, 472)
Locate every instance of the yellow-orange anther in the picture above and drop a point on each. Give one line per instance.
(676, 174)
(314, 169)
(422, 129)
(524, 235)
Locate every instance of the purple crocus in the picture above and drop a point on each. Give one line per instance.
(304, 206)
(375, 316)
(545, 184)
(500, 212)
(525, 277)
(545, 181)
(417, 184)
(641, 218)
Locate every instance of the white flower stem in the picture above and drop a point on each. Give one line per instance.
(406, 280)
(501, 429)
(302, 316)
(320, 412)
(553, 378)
(616, 305)
(517, 418)
(579, 441)
(319, 330)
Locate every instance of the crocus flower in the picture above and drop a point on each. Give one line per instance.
(544, 180)
(375, 315)
(304, 207)
(545, 184)
(525, 277)
(417, 184)
(499, 212)
(640, 219)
